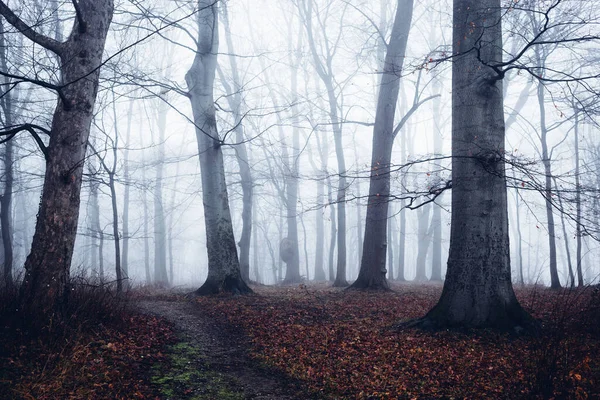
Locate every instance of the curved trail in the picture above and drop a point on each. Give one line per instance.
(222, 356)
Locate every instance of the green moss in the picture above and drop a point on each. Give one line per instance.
(187, 375)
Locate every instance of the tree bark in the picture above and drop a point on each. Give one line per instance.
(390, 234)
(44, 289)
(578, 233)
(372, 274)
(478, 290)
(223, 264)
(6, 217)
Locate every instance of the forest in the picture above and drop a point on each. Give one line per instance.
(299, 199)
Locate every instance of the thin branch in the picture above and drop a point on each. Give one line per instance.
(44, 41)
(10, 132)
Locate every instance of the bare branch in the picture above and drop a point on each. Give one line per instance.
(44, 41)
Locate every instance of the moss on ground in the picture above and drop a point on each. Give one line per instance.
(187, 375)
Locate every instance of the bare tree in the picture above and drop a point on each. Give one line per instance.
(234, 99)
(80, 56)
(323, 64)
(372, 273)
(223, 264)
(478, 289)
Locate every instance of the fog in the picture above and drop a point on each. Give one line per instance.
(143, 135)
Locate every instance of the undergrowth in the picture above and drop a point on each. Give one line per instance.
(102, 350)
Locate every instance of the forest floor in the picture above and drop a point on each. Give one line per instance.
(309, 342)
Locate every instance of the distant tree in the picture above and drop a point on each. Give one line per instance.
(223, 264)
(80, 57)
(234, 99)
(322, 50)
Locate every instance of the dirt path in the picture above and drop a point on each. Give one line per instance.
(211, 362)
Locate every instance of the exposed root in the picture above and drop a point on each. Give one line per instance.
(233, 285)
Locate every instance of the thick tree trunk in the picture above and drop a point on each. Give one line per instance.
(6, 217)
(6, 220)
(223, 264)
(45, 283)
(478, 291)
(372, 274)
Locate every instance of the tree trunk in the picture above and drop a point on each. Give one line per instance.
(256, 253)
(402, 229)
(554, 279)
(6, 217)
(372, 269)
(223, 264)
(390, 234)
(94, 224)
(478, 290)
(436, 218)
(115, 217)
(359, 218)
(333, 230)
(161, 276)
(578, 232)
(6, 220)
(519, 237)
(126, 193)
(424, 240)
(320, 234)
(234, 99)
(571, 279)
(145, 224)
(45, 283)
